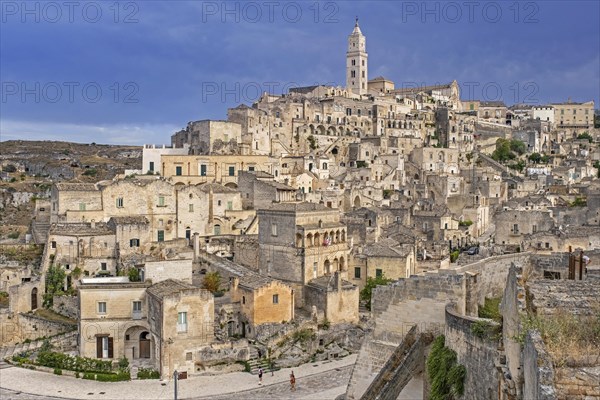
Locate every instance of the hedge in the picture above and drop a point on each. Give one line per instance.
(73, 363)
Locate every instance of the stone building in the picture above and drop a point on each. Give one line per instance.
(299, 242)
(513, 225)
(113, 321)
(181, 317)
(260, 190)
(573, 116)
(210, 137)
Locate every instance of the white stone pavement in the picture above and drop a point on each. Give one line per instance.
(45, 384)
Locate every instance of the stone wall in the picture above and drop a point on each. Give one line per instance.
(489, 278)
(478, 355)
(66, 305)
(420, 299)
(555, 262)
(581, 383)
(16, 328)
(406, 361)
(538, 371)
(372, 357)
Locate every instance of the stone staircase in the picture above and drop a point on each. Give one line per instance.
(8, 351)
(256, 363)
(39, 231)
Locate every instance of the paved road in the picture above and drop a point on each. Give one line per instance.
(305, 387)
(314, 381)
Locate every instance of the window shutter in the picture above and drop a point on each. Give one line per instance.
(98, 346)
(110, 347)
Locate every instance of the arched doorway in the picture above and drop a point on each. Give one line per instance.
(357, 201)
(34, 298)
(188, 233)
(327, 267)
(145, 344)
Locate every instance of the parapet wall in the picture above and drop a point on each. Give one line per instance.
(537, 369)
(477, 354)
(487, 278)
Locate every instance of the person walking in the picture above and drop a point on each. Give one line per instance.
(260, 374)
(292, 382)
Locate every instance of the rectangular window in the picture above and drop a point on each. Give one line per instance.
(53, 244)
(151, 168)
(134, 243)
(203, 170)
(230, 205)
(275, 299)
(119, 202)
(191, 208)
(81, 206)
(161, 236)
(273, 229)
(178, 171)
(182, 322)
(378, 273)
(251, 169)
(516, 228)
(161, 201)
(103, 266)
(534, 228)
(356, 272)
(137, 306)
(231, 171)
(101, 307)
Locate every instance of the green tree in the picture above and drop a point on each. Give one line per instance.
(535, 157)
(518, 146)
(365, 293)
(502, 152)
(212, 282)
(55, 281)
(133, 274)
(585, 135)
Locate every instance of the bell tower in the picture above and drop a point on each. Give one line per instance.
(356, 62)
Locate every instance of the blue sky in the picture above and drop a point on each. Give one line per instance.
(134, 72)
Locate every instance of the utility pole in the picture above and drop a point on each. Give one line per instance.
(175, 376)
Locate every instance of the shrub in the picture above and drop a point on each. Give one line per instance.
(247, 367)
(14, 235)
(304, 335)
(133, 274)
(57, 371)
(447, 377)
(90, 172)
(579, 202)
(325, 324)
(90, 376)
(491, 309)
(486, 330)
(585, 135)
(73, 363)
(466, 222)
(55, 279)
(118, 377)
(454, 255)
(148, 373)
(366, 292)
(211, 281)
(123, 363)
